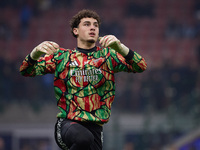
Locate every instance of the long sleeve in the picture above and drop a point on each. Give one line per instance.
(137, 61)
(44, 65)
(133, 62)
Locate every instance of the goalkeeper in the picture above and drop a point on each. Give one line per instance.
(84, 80)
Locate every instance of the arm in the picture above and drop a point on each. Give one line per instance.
(34, 65)
(134, 59)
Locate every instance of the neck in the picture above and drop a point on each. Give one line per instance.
(85, 45)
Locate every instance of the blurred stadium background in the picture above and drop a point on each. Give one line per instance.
(156, 110)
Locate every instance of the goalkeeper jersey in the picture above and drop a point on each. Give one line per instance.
(84, 80)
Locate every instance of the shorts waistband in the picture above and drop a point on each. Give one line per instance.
(85, 123)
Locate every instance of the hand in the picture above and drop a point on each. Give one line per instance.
(112, 42)
(46, 47)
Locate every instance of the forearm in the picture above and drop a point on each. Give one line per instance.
(34, 64)
(137, 61)
(28, 67)
(42, 66)
(131, 57)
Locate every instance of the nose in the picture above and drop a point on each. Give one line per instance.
(92, 28)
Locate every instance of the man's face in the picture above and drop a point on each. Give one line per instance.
(88, 30)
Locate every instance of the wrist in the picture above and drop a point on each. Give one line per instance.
(130, 55)
(30, 60)
(124, 50)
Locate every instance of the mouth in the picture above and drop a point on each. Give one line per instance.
(92, 34)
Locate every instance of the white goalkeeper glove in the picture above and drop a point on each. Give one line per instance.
(112, 42)
(46, 47)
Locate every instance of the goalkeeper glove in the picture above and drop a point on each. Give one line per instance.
(46, 47)
(112, 42)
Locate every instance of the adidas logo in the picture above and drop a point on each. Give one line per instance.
(73, 63)
(86, 62)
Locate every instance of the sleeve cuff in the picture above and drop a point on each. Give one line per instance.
(31, 61)
(130, 55)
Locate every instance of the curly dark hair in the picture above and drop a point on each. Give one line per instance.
(85, 13)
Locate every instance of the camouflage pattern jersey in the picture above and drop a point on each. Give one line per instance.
(84, 80)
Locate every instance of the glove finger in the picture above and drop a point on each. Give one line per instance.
(50, 47)
(109, 40)
(102, 41)
(55, 45)
(49, 50)
(39, 48)
(100, 38)
(43, 50)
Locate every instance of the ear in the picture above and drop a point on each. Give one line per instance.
(75, 31)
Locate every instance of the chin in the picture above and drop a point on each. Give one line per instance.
(91, 41)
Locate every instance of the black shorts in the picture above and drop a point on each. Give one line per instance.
(74, 135)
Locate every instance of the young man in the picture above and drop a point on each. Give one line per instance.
(84, 80)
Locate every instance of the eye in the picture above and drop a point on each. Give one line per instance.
(86, 24)
(96, 25)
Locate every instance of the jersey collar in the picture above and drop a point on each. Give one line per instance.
(85, 51)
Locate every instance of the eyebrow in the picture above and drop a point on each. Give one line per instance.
(90, 22)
